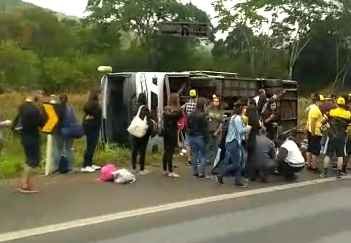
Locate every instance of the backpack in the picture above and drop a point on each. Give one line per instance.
(182, 123)
(106, 172)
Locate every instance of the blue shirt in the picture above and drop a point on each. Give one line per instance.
(236, 130)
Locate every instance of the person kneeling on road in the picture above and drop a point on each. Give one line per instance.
(289, 157)
(264, 155)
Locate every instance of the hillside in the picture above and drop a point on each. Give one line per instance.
(11, 5)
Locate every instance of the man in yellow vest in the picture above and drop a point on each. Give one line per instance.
(339, 119)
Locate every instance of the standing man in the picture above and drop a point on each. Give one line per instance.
(215, 120)
(189, 107)
(31, 118)
(314, 134)
(340, 118)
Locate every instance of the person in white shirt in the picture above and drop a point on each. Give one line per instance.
(289, 157)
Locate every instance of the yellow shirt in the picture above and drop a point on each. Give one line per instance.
(314, 113)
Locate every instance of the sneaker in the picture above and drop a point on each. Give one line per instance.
(240, 184)
(87, 169)
(26, 190)
(144, 172)
(173, 175)
(338, 174)
(96, 167)
(165, 173)
(324, 174)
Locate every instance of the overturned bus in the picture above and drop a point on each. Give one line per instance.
(120, 92)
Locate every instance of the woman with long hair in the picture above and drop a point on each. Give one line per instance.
(139, 145)
(91, 124)
(171, 116)
(234, 158)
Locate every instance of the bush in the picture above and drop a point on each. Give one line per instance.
(18, 67)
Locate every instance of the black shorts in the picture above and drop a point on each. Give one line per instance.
(336, 146)
(314, 144)
(31, 146)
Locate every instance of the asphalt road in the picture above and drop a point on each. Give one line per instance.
(312, 214)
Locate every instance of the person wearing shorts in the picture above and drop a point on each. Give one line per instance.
(314, 134)
(31, 118)
(339, 119)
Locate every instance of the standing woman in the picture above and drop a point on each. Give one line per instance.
(198, 137)
(215, 123)
(139, 145)
(66, 141)
(254, 122)
(91, 124)
(170, 118)
(233, 161)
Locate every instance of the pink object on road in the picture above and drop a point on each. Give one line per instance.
(106, 172)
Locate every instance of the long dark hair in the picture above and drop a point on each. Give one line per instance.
(94, 95)
(142, 100)
(200, 105)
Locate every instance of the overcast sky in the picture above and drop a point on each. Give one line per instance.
(77, 7)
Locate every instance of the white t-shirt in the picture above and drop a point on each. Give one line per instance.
(294, 158)
(256, 99)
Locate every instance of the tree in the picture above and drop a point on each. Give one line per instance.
(18, 67)
(137, 16)
(289, 21)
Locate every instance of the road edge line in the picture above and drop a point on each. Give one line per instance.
(20, 234)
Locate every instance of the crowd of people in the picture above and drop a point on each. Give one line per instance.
(30, 120)
(328, 128)
(244, 144)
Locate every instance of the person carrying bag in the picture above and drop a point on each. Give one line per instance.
(140, 130)
(138, 127)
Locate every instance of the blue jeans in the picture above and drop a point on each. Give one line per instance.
(63, 148)
(233, 161)
(198, 151)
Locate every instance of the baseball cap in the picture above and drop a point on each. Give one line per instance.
(192, 93)
(340, 101)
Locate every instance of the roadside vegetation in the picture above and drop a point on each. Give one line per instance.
(41, 49)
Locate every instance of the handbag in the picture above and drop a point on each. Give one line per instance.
(138, 127)
(71, 128)
(73, 131)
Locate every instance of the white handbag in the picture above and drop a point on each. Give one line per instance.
(138, 127)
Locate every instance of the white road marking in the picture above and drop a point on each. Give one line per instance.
(15, 235)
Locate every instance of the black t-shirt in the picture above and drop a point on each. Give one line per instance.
(31, 118)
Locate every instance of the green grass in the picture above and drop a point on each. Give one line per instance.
(12, 157)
